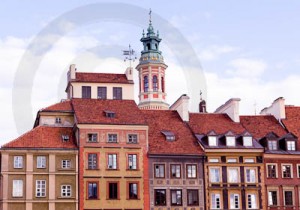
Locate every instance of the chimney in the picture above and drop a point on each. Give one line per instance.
(231, 108)
(182, 107)
(72, 72)
(277, 109)
(129, 73)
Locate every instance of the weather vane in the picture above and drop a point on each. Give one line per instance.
(150, 12)
(129, 55)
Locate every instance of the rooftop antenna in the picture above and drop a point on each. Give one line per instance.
(129, 55)
(200, 95)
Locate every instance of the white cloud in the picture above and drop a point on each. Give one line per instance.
(215, 51)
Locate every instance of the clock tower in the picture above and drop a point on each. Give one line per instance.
(151, 68)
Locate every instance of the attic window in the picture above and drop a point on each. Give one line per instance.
(212, 140)
(247, 141)
(291, 145)
(272, 145)
(230, 141)
(170, 136)
(110, 114)
(58, 120)
(65, 138)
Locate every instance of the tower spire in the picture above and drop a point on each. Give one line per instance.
(150, 13)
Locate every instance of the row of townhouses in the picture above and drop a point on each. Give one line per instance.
(98, 149)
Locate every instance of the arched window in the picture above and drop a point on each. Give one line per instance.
(162, 85)
(146, 84)
(155, 84)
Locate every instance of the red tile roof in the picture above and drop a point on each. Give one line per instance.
(220, 123)
(44, 137)
(292, 121)
(168, 120)
(102, 78)
(61, 106)
(91, 111)
(260, 125)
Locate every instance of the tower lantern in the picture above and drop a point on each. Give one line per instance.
(151, 68)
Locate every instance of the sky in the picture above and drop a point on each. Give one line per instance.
(227, 49)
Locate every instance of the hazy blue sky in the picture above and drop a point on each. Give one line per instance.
(247, 49)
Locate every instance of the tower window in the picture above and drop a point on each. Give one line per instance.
(155, 84)
(148, 46)
(146, 84)
(162, 85)
(156, 46)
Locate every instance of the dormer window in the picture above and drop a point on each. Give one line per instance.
(212, 140)
(170, 136)
(110, 114)
(230, 141)
(65, 138)
(290, 145)
(272, 145)
(247, 141)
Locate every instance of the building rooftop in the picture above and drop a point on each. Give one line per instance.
(292, 121)
(63, 106)
(101, 78)
(163, 124)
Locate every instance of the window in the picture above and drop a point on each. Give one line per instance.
(146, 84)
(191, 171)
(66, 191)
(132, 162)
(112, 161)
(109, 114)
(249, 160)
(65, 138)
(234, 201)
(231, 160)
(247, 140)
(215, 201)
(58, 120)
(155, 84)
(66, 164)
(159, 171)
(86, 91)
(288, 198)
(212, 141)
(214, 174)
(113, 190)
(175, 171)
(272, 145)
(102, 92)
(163, 84)
(17, 188)
(40, 188)
(272, 171)
(213, 160)
(41, 162)
(170, 136)
(291, 145)
(132, 138)
(92, 190)
(230, 141)
(92, 137)
(250, 175)
(117, 93)
(176, 198)
(251, 201)
(298, 170)
(18, 161)
(92, 161)
(286, 171)
(160, 197)
(192, 197)
(112, 138)
(133, 191)
(233, 176)
(272, 197)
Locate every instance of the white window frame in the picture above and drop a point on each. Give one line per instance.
(132, 161)
(112, 138)
(41, 161)
(66, 191)
(214, 174)
(270, 197)
(215, 200)
(40, 188)
(267, 170)
(291, 145)
(213, 160)
(192, 173)
(247, 141)
(212, 141)
(66, 164)
(272, 148)
(251, 201)
(230, 141)
(250, 175)
(57, 120)
(229, 170)
(249, 160)
(232, 160)
(293, 196)
(18, 161)
(112, 161)
(234, 197)
(132, 138)
(94, 137)
(17, 189)
(291, 166)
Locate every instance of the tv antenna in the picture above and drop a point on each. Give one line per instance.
(129, 55)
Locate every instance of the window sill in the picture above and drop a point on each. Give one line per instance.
(133, 199)
(92, 199)
(112, 169)
(92, 169)
(71, 197)
(113, 199)
(66, 169)
(132, 169)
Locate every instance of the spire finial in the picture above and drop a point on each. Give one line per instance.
(150, 13)
(200, 95)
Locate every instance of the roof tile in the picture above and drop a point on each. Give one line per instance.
(102, 78)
